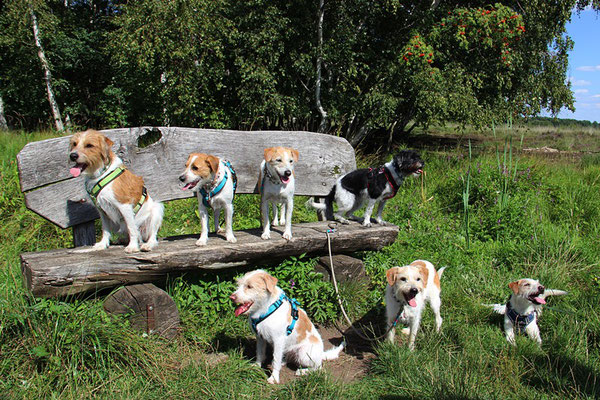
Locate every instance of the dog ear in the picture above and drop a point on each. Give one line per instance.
(270, 282)
(390, 274)
(295, 154)
(213, 163)
(514, 286)
(424, 273)
(108, 142)
(269, 154)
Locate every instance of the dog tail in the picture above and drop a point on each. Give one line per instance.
(553, 292)
(440, 272)
(498, 308)
(327, 206)
(334, 352)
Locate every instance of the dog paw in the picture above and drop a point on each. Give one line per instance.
(275, 223)
(367, 224)
(147, 247)
(132, 249)
(201, 242)
(231, 239)
(344, 221)
(220, 231)
(266, 236)
(272, 380)
(99, 246)
(382, 222)
(287, 235)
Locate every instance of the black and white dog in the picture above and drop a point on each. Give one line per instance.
(369, 185)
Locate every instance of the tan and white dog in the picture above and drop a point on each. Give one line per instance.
(408, 289)
(276, 182)
(278, 320)
(523, 308)
(120, 196)
(214, 182)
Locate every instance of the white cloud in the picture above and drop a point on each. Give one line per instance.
(588, 68)
(596, 96)
(579, 82)
(580, 91)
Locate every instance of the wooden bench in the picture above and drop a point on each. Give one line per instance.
(159, 155)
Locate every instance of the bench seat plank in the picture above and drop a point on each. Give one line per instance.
(66, 272)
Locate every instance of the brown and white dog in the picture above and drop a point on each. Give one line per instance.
(125, 207)
(277, 183)
(270, 314)
(523, 308)
(408, 289)
(214, 181)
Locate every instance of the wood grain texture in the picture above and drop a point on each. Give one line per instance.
(65, 272)
(51, 192)
(136, 300)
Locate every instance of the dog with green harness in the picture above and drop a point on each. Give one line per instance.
(120, 196)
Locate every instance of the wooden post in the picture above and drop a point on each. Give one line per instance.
(84, 234)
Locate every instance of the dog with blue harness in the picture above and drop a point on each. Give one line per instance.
(523, 308)
(278, 320)
(214, 180)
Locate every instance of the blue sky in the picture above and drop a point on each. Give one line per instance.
(584, 66)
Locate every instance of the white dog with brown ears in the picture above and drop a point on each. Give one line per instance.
(120, 196)
(214, 181)
(276, 183)
(276, 319)
(408, 289)
(523, 308)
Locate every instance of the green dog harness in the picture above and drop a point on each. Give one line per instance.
(102, 183)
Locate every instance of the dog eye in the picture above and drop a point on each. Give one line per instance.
(418, 279)
(527, 284)
(278, 159)
(403, 279)
(195, 168)
(291, 161)
(249, 286)
(89, 146)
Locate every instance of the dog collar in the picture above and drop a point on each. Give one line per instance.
(207, 196)
(268, 174)
(392, 179)
(273, 307)
(519, 320)
(104, 182)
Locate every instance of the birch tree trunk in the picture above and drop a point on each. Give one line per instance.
(47, 74)
(323, 124)
(3, 124)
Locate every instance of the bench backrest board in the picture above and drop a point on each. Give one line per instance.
(53, 193)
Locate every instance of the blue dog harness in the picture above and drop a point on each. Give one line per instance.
(206, 196)
(519, 320)
(293, 303)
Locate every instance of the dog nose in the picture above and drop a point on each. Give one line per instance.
(287, 172)
(414, 291)
(74, 156)
(233, 297)
(182, 178)
(541, 288)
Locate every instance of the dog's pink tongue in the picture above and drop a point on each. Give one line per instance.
(412, 302)
(540, 300)
(75, 171)
(241, 309)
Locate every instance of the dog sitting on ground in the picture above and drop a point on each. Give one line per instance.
(408, 289)
(277, 320)
(120, 196)
(276, 182)
(523, 308)
(214, 181)
(369, 185)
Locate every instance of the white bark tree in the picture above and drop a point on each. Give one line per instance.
(323, 123)
(3, 124)
(47, 74)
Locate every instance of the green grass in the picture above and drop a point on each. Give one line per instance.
(545, 225)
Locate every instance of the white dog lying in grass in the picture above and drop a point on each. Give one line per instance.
(523, 308)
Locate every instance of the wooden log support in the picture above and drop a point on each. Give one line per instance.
(149, 309)
(346, 268)
(68, 271)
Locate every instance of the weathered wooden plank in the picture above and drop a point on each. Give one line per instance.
(66, 271)
(52, 193)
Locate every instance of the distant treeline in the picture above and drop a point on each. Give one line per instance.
(561, 122)
(351, 68)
